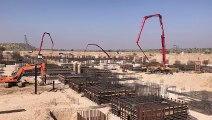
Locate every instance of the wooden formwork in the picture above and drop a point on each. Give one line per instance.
(91, 115)
(149, 108)
(197, 66)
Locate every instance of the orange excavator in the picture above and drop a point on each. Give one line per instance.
(12, 80)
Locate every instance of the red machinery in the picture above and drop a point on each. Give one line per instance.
(41, 44)
(98, 47)
(15, 79)
(162, 36)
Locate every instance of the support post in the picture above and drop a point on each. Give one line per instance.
(45, 79)
(53, 85)
(36, 85)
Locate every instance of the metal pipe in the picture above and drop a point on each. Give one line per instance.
(41, 43)
(98, 47)
(53, 85)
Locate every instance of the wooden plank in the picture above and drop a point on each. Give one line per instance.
(12, 111)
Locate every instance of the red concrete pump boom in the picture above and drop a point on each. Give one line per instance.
(98, 47)
(41, 43)
(162, 36)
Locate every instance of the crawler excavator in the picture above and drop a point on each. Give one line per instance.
(15, 80)
(163, 68)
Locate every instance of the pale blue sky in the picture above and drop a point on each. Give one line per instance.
(114, 24)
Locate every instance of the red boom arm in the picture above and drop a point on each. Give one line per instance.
(41, 43)
(162, 36)
(98, 47)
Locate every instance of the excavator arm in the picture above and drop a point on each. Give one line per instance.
(162, 36)
(43, 70)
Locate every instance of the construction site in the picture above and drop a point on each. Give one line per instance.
(38, 83)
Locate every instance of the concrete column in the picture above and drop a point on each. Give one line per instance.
(79, 68)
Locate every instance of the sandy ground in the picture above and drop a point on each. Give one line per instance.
(64, 103)
(185, 81)
(9, 69)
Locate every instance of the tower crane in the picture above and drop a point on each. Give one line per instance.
(28, 46)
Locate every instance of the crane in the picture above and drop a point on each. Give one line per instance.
(41, 44)
(28, 46)
(163, 50)
(98, 47)
(25, 38)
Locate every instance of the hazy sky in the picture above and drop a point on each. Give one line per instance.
(113, 24)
